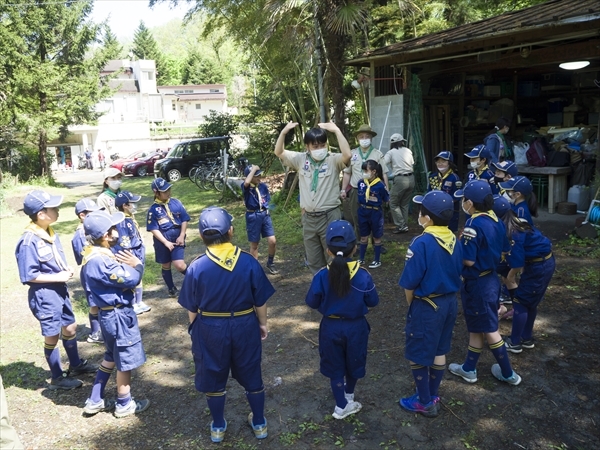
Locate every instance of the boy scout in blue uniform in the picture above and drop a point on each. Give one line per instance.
(445, 178)
(131, 239)
(479, 164)
(483, 242)
(431, 280)
(43, 267)
(167, 221)
(258, 220)
(112, 279)
(522, 199)
(82, 208)
(225, 293)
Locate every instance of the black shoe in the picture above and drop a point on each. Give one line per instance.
(399, 230)
(513, 348)
(65, 383)
(271, 269)
(173, 292)
(383, 250)
(528, 343)
(96, 338)
(84, 367)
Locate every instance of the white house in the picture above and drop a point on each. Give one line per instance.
(124, 126)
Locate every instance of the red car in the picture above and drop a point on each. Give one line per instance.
(142, 166)
(119, 163)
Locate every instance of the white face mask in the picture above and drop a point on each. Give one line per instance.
(132, 208)
(466, 211)
(511, 198)
(443, 169)
(474, 165)
(365, 143)
(319, 154)
(422, 225)
(115, 184)
(506, 196)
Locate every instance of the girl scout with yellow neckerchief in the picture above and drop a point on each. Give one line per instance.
(444, 178)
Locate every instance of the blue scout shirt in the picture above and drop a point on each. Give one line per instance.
(39, 252)
(433, 265)
(526, 246)
(449, 183)
(522, 211)
(354, 305)
(377, 193)
(483, 174)
(130, 238)
(167, 217)
(109, 282)
(78, 243)
(483, 241)
(256, 197)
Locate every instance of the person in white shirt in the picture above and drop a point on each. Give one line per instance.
(401, 161)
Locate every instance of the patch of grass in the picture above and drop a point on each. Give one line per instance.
(575, 246)
(470, 440)
(587, 278)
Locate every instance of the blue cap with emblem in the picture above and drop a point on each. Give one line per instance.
(506, 166)
(97, 223)
(215, 218)
(475, 190)
(478, 151)
(86, 204)
(501, 206)
(437, 202)
(444, 155)
(340, 234)
(160, 184)
(126, 197)
(248, 169)
(518, 184)
(37, 200)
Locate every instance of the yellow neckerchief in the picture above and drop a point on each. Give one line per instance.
(166, 206)
(91, 251)
(436, 183)
(131, 216)
(483, 169)
(443, 236)
(491, 214)
(353, 267)
(369, 184)
(50, 237)
(225, 255)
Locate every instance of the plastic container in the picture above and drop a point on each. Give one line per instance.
(580, 195)
(556, 105)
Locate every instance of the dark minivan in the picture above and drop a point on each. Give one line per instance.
(184, 155)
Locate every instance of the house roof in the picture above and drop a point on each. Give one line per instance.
(123, 85)
(571, 15)
(196, 97)
(193, 86)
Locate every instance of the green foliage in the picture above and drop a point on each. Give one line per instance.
(199, 69)
(219, 124)
(145, 47)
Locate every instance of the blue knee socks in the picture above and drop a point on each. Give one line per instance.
(337, 387)
(363, 251)
(501, 355)
(436, 373)
(256, 400)
(350, 384)
(377, 252)
(168, 277)
(94, 323)
(70, 345)
(139, 291)
(53, 358)
(519, 319)
(216, 404)
(102, 377)
(421, 376)
(473, 354)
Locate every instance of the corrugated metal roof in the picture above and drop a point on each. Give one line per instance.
(549, 14)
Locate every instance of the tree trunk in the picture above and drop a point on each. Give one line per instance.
(43, 148)
(335, 46)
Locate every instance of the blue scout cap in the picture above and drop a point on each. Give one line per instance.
(478, 152)
(444, 155)
(97, 223)
(161, 185)
(507, 166)
(475, 190)
(248, 169)
(215, 218)
(126, 197)
(37, 200)
(340, 229)
(519, 184)
(86, 204)
(435, 201)
(501, 206)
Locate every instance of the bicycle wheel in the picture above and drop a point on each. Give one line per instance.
(202, 179)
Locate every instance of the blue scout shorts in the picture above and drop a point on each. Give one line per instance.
(223, 344)
(162, 254)
(429, 331)
(51, 306)
(534, 282)
(480, 303)
(259, 224)
(122, 338)
(370, 221)
(343, 347)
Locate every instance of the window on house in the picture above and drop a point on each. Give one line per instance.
(173, 106)
(188, 91)
(214, 91)
(149, 75)
(387, 81)
(179, 91)
(198, 106)
(180, 107)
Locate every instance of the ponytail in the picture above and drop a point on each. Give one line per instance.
(339, 273)
(532, 204)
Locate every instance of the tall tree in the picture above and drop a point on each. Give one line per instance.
(50, 82)
(145, 47)
(198, 69)
(112, 47)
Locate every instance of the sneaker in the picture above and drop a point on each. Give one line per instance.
(399, 230)
(272, 270)
(527, 343)
(84, 367)
(173, 292)
(92, 408)
(260, 431)
(133, 407)
(457, 369)
(217, 434)
(351, 408)
(514, 379)
(144, 307)
(65, 382)
(383, 250)
(360, 262)
(413, 404)
(137, 310)
(349, 397)
(96, 338)
(504, 300)
(510, 347)
(375, 265)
